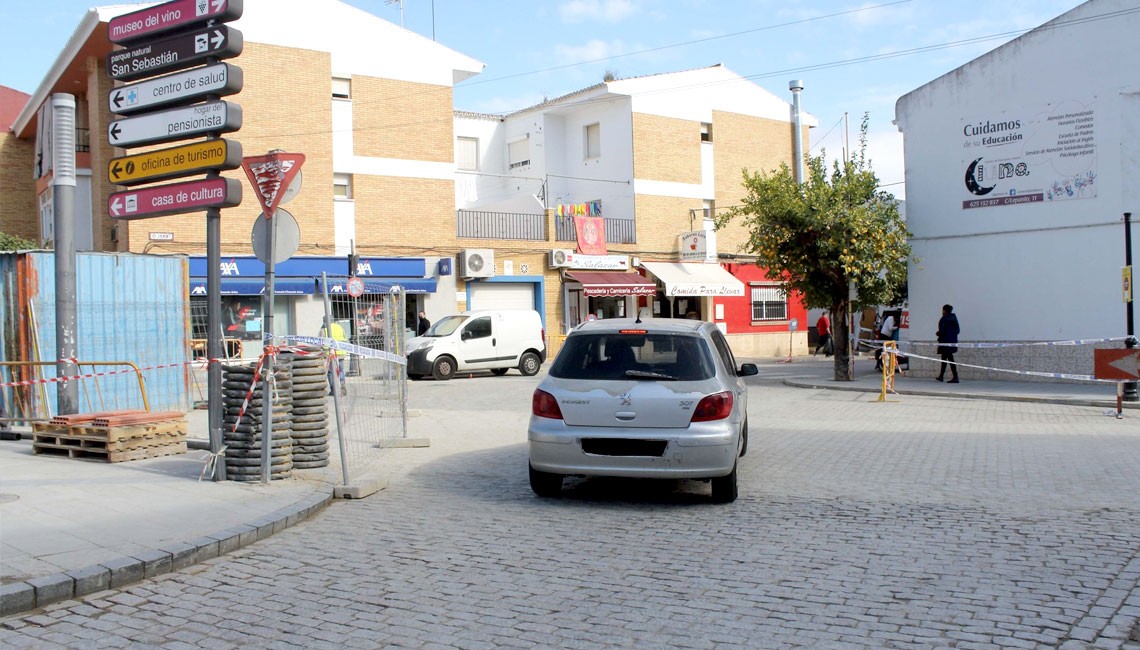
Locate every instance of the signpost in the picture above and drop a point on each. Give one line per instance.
(162, 200)
(219, 79)
(175, 124)
(1118, 365)
(171, 37)
(174, 53)
(170, 16)
(175, 162)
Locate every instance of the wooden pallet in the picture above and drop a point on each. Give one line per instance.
(65, 440)
(106, 456)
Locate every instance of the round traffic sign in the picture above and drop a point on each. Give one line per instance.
(286, 236)
(355, 287)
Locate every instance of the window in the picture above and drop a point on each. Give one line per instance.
(593, 141)
(480, 328)
(706, 131)
(341, 88)
(518, 153)
(342, 186)
(709, 209)
(769, 302)
(467, 153)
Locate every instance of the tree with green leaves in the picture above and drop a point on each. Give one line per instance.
(10, 243)
(834, 229)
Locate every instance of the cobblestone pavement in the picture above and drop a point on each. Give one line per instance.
(926, 523)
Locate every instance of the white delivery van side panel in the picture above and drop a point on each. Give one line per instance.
(495, 340)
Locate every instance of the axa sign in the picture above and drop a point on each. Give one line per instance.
(230, 268)
(363, 268)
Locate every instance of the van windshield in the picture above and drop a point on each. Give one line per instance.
(446, 325)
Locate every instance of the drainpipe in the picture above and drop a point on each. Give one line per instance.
(797, 86)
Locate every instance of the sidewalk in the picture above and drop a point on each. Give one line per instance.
(69, 528)
(817, 372)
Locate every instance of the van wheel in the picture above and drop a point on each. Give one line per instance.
(529, 364)
(724, 487)
(499, 371)
(545, 484)
(443, 368)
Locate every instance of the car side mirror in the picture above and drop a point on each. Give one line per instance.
(464, 335)
(748, 369)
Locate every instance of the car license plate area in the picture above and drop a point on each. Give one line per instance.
(624, 447)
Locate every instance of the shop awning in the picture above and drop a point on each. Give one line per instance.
(695, 279)
(597, 283)
(256, 286)
(384, 285)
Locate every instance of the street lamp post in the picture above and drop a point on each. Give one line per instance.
(1130, 392)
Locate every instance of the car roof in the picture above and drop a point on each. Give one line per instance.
(659, 325)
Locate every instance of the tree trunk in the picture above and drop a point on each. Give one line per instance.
(841, 335)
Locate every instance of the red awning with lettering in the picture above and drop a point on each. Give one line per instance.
(598, 283)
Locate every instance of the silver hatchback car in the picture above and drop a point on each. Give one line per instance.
(659, 398)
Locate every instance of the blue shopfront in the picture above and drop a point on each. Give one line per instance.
(298, 304)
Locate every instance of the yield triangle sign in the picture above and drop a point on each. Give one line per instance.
(270, 176)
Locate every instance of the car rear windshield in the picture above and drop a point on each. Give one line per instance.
(677, 357)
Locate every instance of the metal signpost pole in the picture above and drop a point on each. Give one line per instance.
(214, 340)
(267, 337)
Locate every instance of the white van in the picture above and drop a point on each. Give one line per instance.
(495, 340)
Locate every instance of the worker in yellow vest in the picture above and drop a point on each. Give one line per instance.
(336, 333)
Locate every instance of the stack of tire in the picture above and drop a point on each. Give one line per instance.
(243, 419)
(310, 416)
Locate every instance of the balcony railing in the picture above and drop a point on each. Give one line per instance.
(476, 224)
(83, 139)
(618, 231)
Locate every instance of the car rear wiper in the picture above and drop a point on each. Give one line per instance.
(645, 374)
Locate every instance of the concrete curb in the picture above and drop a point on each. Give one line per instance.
(34, 593)
(1041, 399)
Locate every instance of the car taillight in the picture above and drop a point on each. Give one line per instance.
(713, 407)
(544, 405)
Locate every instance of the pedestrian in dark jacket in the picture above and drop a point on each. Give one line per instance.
(422, 325)
(947, 333)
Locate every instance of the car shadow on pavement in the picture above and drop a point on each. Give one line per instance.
(500, 474)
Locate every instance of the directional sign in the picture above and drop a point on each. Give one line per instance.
(175, 124)
(169, 16)
(1119, 365)
(175, 162)
(174, 199)
(174, 53)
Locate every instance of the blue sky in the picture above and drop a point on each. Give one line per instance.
(545, 48)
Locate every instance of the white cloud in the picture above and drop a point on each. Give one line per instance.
(607, 11)
(589, 51)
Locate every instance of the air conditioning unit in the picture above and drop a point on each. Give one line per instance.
(561, 258)
(476, 263)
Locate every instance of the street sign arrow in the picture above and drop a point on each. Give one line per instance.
(221, 79)
(169, 16)
(174, 53)
(1129, 365)
(175, 162)
(175, 124)
(178, 198)
(1116, 364)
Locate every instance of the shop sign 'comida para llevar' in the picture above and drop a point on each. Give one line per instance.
(173, 37)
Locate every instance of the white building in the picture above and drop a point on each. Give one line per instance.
(1019, 166)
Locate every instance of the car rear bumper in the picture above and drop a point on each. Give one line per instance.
(703, 450)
